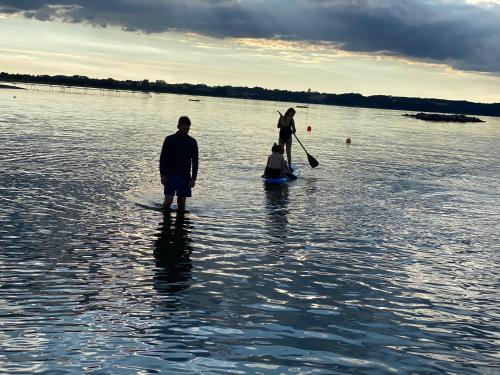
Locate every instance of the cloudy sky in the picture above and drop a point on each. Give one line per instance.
(425, 48)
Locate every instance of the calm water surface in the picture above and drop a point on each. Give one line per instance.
(382, 260)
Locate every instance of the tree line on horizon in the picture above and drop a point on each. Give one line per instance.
(259, 93)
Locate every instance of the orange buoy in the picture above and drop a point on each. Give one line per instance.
(309, 128)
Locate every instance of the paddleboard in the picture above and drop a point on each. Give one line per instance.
(282, 180)
(151, 206)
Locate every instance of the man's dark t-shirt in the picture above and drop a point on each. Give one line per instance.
(179, 156)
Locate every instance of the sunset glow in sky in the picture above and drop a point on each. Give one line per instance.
(419, 48)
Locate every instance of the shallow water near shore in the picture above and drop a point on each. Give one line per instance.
(384, 259)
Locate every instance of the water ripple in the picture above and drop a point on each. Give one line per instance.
(382, 260)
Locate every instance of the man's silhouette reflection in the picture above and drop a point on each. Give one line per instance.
(276, 204)
(172, 252)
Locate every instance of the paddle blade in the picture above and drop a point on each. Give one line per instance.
(312, 162)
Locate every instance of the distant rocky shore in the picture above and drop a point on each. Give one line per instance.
(443, 117)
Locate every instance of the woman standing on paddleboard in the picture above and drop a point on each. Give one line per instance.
(286, 124)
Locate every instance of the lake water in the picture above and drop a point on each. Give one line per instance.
(384, 259)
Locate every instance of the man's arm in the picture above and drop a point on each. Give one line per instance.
(163, 162)
(194, 162)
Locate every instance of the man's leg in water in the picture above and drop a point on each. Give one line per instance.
(181, 204)
(168, 201)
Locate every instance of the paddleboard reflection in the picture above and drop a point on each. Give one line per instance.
(277, 209)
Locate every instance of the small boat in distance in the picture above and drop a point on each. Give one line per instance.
(194, 100)
(302, 106)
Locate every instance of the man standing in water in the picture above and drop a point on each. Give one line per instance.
(179, 165)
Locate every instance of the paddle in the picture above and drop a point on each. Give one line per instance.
(312, 161)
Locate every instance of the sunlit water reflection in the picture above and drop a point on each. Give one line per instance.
(383, 259)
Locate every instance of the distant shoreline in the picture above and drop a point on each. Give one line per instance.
(11, 87)
(305, 98)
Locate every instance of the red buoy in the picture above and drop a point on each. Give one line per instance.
(309, 128)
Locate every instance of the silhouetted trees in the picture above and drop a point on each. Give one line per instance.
(259, 93)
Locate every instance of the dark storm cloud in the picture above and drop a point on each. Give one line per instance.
(463, 35)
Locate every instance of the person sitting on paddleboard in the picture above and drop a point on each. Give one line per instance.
(286, 124)
(276, 165)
